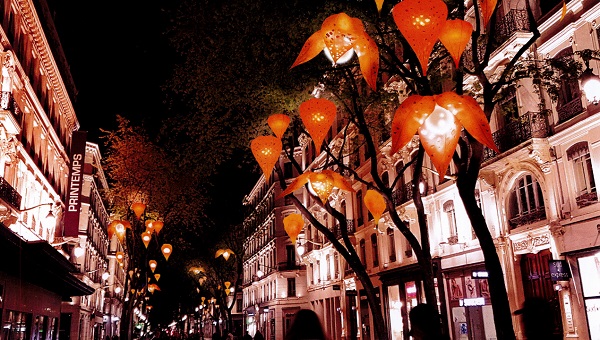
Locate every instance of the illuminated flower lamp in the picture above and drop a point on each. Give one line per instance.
(266, 151)
(152, 264)
(317, 115)
(439, 120)
(278, 123)
(153, 287)
(455, 36)
(138, 209)
(120, 256)
(158, 225)
(320, 183)
(227, 284)
(420, 22)
(226, 253)
(339, 37)
(590, 81)
(111, 229)
(379, 4)
(487, 8)
(150, 226)
(196, 270)
(167, 250)
(375, 203)
(293, 224)
(146, 237)
(202, 280)
(202, 298)
(157, 277)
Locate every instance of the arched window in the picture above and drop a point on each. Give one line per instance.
(526, 202)
(451, 216)
(391, 244)
(583, 175)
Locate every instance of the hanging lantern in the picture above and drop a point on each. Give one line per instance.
(455, 36)
(322, 184)
(420, 22)
(138, 208)
(157, 225)
(379, 4)
(120, 256)
(375, 203)
(266, 151)
(166, 249)
(157, 276)
(146, 237)
(318, 183)
(226, 253)
(111, 229)
(487, 8)
(317, 115)
(278, 123)
(202, 280)
(150, 226)
(293, 224)
(152, 264)
(227, 284)
(439, 120)
(340, 36)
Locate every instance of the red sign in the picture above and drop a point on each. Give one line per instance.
(75, 184)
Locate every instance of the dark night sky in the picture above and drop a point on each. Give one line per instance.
(116, 52)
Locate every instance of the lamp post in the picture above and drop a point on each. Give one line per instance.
(589, 80)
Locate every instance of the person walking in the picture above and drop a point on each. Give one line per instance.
(306, 326)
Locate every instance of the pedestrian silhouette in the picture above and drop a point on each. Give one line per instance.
(247, 337)
(538, 319)
(425, 323)
(258, 336)
(306, 326)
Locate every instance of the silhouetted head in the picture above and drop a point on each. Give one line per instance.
(306, 326)
(425, 322)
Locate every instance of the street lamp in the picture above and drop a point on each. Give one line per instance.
(589, 80)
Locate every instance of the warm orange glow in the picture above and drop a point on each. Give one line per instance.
(266, 151)
(227, 284)
(226, 253)
(439, 120)
(455, 36)
(317, 115)
(120, 256)
(158, 225)
(278, 123)
(340, 36)
(138, 208)
(375, 203)
(487, 8)
(157, 276)
(152, 287)
(293, 224)
(379, 4)
(166, 249)
(152, 264)
(146, 237)
(150, 226)
(320, 183)
(420, 22)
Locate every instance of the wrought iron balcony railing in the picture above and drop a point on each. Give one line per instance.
(9, 194)
(516, 20)
(569, 110)
(529, 125)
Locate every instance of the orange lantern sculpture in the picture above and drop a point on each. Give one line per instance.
(375, 203)
(150, 226)
(158, 225)
(152, 265)
(146, 237)
(153, 287)
(317, 114)
(340, 36)
(157, 276)
(266, 151)
(278, 123)
(227, 284)
(379, 4)
(120, 256)
(455, 36)
(420, 22)
(138, 209)
(322, 183)
(439, 120)
(487, 8)
(293, 224)
(226, 253)
(166, 249)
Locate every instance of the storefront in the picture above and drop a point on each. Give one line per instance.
(586, 271)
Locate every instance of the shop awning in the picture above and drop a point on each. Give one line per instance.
(40, 264)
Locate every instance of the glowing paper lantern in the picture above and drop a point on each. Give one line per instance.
(227, 284)
(266, 151)
(439, 120)
(120, 256)
(293, 224)
(322, 184)
(226, 253)
(158, 225)
(375, 203)
(420, 22)
(138, 208)
(455, 36)
(278, 123)
(146, 237)
(153, 287)
(340, 36)
(166, 249)
(150, 226)
(379, 4)
(319, 184)
(157, 276)
(317, 115)
(152, 264)
(487, 8)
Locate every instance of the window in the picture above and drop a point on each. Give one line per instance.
(526, 202)
(392, 244)
(336, 265)
(291, 255)
(291, 286)
(451, 216)
(374, 250)
(583, 175)
(385, 178)
(569, 94)
(328, 266)
(363, 253)
(359, 208)
(288, 171)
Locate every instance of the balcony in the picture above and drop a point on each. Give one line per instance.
(350, 228)
(516, 20)
(9, 194)
(528, 218)
(402, 194)
(529, 125)
(569, 110)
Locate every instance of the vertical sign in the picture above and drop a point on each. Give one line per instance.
(75, 183)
